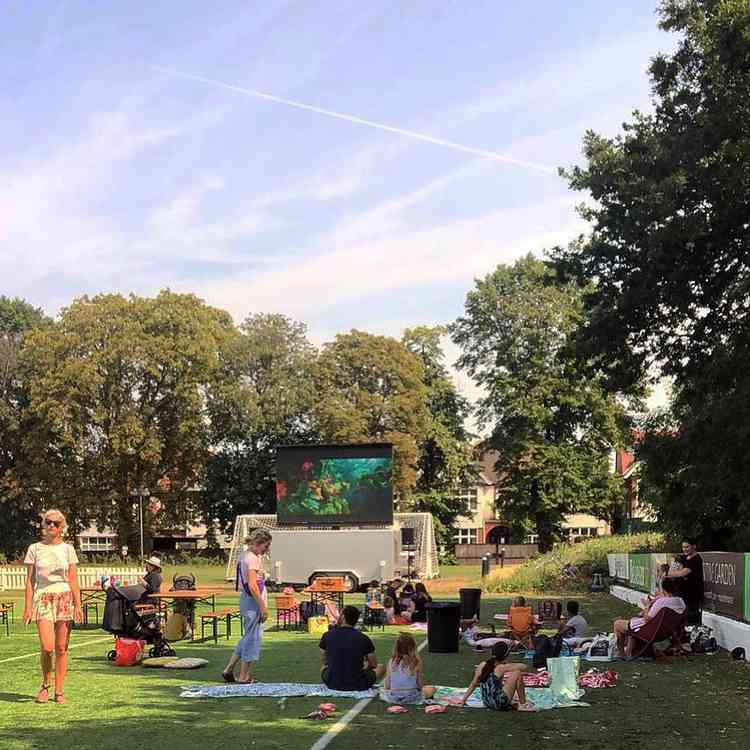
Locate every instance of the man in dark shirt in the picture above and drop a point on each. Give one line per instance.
(347, 655)
(691, 580)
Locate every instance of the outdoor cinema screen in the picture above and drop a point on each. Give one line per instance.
(341, 484)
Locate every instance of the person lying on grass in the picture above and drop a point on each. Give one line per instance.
(665, 599)
(499, 683)
(403, 674)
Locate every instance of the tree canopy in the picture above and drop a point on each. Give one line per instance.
(118, 391)
(371, 389)
(669, 256)
(551, 422)
(264, 398)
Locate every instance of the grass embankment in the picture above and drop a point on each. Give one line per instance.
(544, 573)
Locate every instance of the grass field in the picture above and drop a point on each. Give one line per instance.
(701, 702)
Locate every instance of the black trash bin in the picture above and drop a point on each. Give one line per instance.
(471, 602)
(443, 620)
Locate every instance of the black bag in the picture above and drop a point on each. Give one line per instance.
(546, 648)
(308, 610)
(701, 640)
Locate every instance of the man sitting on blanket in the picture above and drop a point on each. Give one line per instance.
(348, 659)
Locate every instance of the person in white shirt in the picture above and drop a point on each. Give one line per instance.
(52, 600)
(666, 599)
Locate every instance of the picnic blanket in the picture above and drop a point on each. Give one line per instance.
(591, 679)
(271, 690)
(542, 698)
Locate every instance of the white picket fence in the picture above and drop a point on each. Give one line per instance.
(14, 576)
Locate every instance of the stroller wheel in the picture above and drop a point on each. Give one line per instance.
(112, 655)
(153, 651)
(169, 651)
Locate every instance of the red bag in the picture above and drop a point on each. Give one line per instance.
(128, 652)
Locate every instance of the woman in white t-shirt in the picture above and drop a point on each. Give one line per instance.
(53, 599)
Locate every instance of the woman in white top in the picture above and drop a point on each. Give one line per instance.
(52, 600)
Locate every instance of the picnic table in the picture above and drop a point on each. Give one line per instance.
(91, 596)
(327, 590)
(207, 597)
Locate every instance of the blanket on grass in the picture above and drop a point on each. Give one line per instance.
(591, 679)
(542, 698)
(271, 690)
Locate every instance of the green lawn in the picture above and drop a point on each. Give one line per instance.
(700, 702)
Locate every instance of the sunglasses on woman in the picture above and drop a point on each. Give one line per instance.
(56, 524)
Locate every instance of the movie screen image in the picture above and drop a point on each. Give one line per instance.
(334, 484)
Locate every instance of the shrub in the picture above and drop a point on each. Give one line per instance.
(544, 573)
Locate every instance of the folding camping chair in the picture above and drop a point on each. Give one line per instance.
(667, 625)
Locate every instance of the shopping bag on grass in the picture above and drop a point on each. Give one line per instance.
(563, 677)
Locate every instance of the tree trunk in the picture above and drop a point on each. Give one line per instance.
(544, 531)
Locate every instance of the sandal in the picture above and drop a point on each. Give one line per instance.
(228, 677)
(43, 695)
(60, 698)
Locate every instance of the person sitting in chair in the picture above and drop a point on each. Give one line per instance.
(347, 657)
(666, 599)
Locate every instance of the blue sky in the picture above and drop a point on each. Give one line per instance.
(115, 176)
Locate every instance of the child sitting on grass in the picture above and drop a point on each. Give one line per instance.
(403, 674)
(499, 683)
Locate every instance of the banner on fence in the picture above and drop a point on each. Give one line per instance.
(724, 583)
(618, 565)
(640, 572)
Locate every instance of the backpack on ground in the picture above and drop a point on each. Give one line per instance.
(601, 648)
(546, 648)
(701, 640)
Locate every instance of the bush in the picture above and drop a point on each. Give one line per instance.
(544, 573)
(197, 559)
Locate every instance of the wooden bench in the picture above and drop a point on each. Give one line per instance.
(214, 617)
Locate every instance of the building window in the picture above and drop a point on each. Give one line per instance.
(97, 543)
(469, 495)
(467, 536)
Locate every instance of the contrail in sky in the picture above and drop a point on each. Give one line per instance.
(494, 156)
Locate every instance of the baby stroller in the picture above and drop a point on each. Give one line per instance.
(123, 620)
(184, 582)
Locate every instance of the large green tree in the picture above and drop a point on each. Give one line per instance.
(265, 399)
(551, 422)
(119, 390)
(19, 504)
(446, 460)
(670, 254)
(371, 389)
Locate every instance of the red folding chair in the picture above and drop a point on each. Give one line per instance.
(667, 625)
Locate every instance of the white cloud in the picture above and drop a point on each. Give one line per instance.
(402, 259)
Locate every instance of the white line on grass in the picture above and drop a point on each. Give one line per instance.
(76, 645)
(348, 717)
